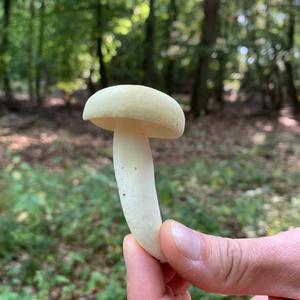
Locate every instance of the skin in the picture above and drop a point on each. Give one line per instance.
(261, 266)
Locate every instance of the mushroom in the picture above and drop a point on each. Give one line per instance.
(136, 113)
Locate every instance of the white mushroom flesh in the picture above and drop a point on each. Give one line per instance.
(134, 173)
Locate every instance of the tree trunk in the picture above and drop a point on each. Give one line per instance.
(259, 68)
(99, 30)
(261, 75)
(90, 84)
(279, 94)
(292, 91)
(4, 50)
(274, 75)
(220, 80)
(169, 65)
(223, 56)
(149, 47)
(199, 99)
(39, 66)
(30, 51)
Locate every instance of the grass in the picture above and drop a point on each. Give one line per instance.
(62, 229)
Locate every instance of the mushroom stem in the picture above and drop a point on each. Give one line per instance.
(134, 173)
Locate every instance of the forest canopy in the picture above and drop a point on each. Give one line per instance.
(205, 49)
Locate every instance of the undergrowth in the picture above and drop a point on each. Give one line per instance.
(61, 231)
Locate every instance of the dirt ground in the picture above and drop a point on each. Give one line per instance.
(58, 134)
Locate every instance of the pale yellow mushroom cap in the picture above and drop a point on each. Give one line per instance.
(161, 115)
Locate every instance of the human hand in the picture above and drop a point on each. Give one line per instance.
(147, 279)
(262, 266)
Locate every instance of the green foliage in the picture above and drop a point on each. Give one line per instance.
(62, 231)
(7, 294)
(50, 232)
(251, 44)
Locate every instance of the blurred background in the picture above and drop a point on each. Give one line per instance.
(233, 66)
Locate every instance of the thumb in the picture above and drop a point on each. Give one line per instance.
(262, 266)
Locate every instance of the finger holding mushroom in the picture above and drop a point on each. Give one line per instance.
(136, 113)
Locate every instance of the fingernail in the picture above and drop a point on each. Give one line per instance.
(124, 250)
(186, 240)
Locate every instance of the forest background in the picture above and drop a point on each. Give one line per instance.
(233, 66)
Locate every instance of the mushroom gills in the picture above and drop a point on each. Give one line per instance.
(134, 173)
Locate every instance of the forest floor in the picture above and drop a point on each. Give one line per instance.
(57, 131)
(233, 174)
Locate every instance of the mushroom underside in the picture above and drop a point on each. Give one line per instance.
(151, 129)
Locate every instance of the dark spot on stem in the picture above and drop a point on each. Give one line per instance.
(122, 168)
(123, 194)
(135, 168)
